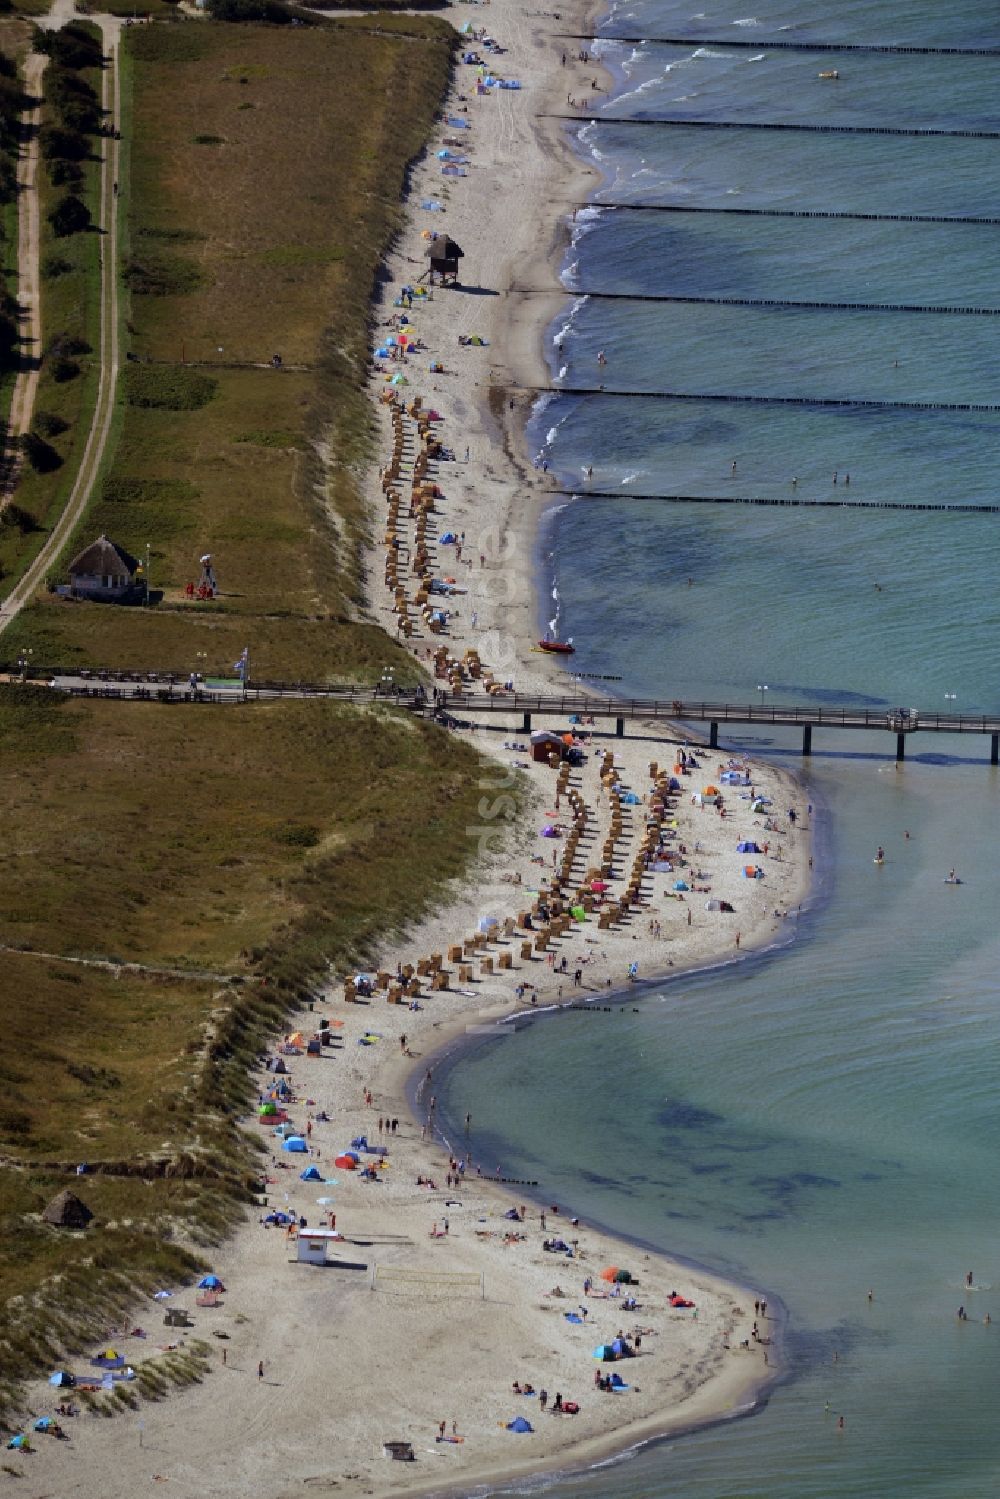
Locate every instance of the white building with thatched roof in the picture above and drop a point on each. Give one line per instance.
(103, 571)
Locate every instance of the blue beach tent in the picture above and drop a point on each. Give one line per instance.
(296, 1144)
(310, 1175)
(62, 1379)
(519, 1424)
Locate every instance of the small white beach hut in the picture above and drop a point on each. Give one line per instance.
(312, 1244)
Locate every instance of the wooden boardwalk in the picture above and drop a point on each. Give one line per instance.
(554, 709)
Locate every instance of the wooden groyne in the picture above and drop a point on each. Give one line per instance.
(786, 502)
(802, 213)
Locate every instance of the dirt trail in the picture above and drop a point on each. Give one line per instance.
(93, 452)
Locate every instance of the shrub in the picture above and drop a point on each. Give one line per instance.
(50, 425)
(62, 369)
(70, 216)
(272, 12)
(10, 340)
(54, 266)
(65, 173)
(41, 455)
(168, 387)
(16, 518)
(209, 140)
(298, 835)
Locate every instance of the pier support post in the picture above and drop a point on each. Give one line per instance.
(713, 735)
(807, 739)
(995, 749)
(526, 724)
(900, 748)
(620, 727)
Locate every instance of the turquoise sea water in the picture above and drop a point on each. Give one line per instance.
(821, 1120)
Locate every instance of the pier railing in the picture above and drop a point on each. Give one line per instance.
(562, 708)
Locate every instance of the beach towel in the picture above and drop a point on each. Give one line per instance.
(572, 1316)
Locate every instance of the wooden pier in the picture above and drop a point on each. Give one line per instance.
(558, 709)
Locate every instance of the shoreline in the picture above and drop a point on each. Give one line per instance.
(411, 1355)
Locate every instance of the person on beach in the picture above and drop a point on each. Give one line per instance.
(260, 1370)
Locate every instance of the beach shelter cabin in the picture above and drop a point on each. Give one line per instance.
(104, 571)
(312, 1244)
(545, 743)
(444, 255)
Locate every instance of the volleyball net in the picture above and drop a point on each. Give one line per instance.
(403, 1279)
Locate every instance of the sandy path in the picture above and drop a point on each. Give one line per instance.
(100, 426)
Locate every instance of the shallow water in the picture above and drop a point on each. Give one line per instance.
(821, 1120)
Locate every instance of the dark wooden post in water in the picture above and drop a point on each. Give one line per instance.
(713, 735)
(900, 747)
(995, 749)
(807, 739)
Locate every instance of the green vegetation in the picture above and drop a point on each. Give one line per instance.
(124, 840)
(70, 268)
(237, 855)
(235, 253)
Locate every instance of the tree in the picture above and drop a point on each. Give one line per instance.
(40, 454)
(70, 216)
(62, 145)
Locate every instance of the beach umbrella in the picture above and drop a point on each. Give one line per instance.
(210, 1283)
(598, 886)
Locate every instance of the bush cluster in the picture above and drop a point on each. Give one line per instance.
(74, 113)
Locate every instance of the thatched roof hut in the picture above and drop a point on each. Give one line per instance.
(67, 1211)
(104, 571)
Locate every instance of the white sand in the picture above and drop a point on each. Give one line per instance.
(347, 1367)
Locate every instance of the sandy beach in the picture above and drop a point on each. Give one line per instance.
(441, 1293)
